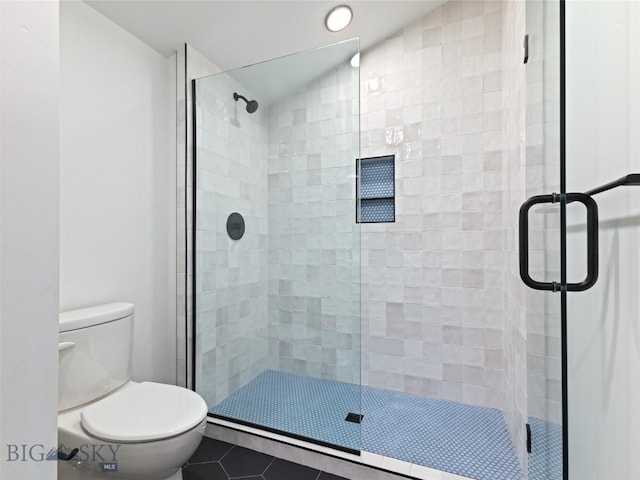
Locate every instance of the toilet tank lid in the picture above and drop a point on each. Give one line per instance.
(87, 317)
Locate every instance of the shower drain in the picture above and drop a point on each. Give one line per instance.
(354, 417)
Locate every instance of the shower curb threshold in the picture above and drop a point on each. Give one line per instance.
(366, 459)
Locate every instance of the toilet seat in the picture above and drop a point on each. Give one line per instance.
(144, 412)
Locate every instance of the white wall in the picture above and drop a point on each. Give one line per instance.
(28, 233)
(116, 188)
(603, 135)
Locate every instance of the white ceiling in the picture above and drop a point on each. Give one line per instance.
(236, 33)
(275, 79)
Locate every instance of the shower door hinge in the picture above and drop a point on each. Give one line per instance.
(526, 48)
(528, 427)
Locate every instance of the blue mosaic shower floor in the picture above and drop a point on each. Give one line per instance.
(448, 436)
(545, 460)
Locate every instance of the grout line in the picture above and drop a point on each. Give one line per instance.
(224, 469)
(220, 459)
(273, 459)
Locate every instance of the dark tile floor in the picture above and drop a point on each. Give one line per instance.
(216, 460)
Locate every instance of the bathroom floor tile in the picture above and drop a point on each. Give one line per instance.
(235, 462)
(242, 462)
(210, 450)
(284, 470)
(204, 471)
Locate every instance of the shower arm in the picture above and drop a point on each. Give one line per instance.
(237, 96)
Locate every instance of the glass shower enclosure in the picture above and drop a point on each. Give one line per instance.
(306, 319)
(277, 247)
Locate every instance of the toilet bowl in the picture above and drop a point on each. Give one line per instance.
(109, 426)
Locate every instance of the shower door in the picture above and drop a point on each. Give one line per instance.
(583, 338)
(277, 266)
(542, 248)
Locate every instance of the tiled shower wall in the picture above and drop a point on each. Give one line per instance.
(314, 241)
(231, 281)
(432, 281)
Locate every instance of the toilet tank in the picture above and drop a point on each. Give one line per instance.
(94, 352)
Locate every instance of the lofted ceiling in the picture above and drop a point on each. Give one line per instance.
(236, 33)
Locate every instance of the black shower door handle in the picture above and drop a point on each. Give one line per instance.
(592, 242)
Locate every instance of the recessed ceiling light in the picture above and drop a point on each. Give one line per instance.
(355, 60)
(338, 18)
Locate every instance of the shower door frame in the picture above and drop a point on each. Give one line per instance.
(563, 247)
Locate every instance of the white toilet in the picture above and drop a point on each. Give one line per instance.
(120, 428)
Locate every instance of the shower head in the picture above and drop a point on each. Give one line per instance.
(252, 105)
